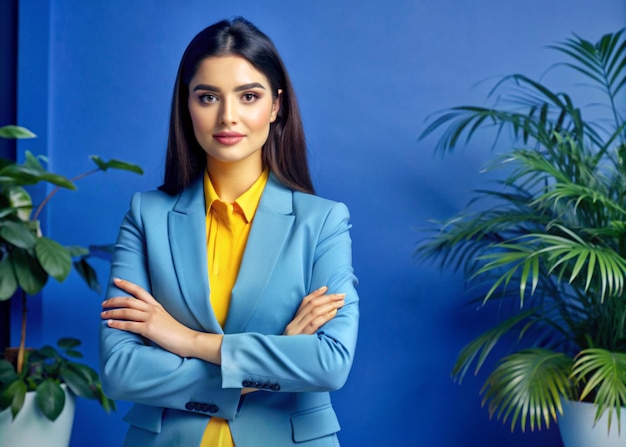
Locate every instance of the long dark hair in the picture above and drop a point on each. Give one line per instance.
(285, 150)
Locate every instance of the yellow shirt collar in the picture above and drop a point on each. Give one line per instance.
(247, 203)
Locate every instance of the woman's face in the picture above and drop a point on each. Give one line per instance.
(231, 107)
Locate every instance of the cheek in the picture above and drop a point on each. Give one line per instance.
(259, 120)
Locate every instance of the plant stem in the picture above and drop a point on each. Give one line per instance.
(55, 190)
(22, 348)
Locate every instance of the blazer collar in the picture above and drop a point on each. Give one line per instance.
(187, 240)
(187, 237)
(270, 230)
(276, 197)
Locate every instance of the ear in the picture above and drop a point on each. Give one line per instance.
(276, 106)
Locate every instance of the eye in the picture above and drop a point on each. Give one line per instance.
(249, 97)
(207, 98)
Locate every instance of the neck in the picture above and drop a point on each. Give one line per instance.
(231, 180)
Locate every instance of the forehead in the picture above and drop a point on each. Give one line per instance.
(227, 70)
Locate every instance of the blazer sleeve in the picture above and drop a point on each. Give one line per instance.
(136, 370)
(303, 363)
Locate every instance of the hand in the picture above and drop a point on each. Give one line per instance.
(143, 315)
(315, 310)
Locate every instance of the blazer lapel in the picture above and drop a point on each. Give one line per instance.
(187, 239)
(270, 229)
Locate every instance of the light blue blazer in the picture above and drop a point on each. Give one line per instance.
(298, 242)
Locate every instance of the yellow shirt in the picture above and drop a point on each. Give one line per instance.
(227, 226)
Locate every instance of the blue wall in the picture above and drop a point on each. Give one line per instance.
(8, 106)
(96, 77)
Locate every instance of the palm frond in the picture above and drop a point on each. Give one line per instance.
(604, 375)
(527, 387)
(479, 349)
(602, 62)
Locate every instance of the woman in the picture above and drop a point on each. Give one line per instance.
(232, 310)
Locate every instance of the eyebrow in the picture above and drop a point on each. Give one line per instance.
(239, 88)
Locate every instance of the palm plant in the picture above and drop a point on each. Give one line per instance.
(550, 238)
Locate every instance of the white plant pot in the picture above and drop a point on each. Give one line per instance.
(578, 430)
(31, 428)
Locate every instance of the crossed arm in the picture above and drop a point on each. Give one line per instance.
(182, 364)
(141, 314)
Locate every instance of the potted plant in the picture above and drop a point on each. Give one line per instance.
(46, 379)
(549, 239)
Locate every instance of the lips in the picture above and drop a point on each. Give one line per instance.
(228, 138)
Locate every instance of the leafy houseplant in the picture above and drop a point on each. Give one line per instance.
(549, 239)
(43, 373)
(27, 260)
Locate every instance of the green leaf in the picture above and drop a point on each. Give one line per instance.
(30, 276)
(86, 271)
(107, 404)
(50, 399)
(27, 175)
(47, 352)
(8, 281)
(74, 354)
(7, 211)
(479, 348)
(68, 343)
(15, 132)
(20, 199)
(18, 398)
(13, 397)
(528, 386)
(88, 373)
(7, 372)
(116, 164)
(6, 398)
(604, 373)
(54, 258)
(77, 251)
(32, 161)
(18, 234)
(99, 162)
(77, 383)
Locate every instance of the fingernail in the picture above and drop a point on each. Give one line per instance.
(322, 288)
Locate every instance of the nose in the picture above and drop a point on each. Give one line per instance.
(228, 111)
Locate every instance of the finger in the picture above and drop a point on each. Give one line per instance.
(318, 306)
(129, 326)
(124, 314)
(327, 308)
(318, 301)
(310, 322)
(316, 293)
(312, 326)
(135, 290)
(124, 301)
(325, 316)
(319, 292)
(316, 298)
